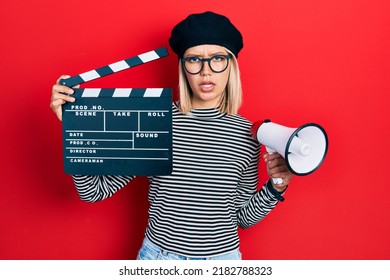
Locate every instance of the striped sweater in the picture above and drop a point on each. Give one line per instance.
(212, 190)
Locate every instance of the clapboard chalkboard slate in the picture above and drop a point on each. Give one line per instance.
(118, 131)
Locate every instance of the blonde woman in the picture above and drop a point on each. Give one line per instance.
(195, 211)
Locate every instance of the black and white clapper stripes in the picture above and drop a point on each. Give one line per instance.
(122, 92)
(115, 67)
(118, 131)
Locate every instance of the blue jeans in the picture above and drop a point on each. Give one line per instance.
(149, 251)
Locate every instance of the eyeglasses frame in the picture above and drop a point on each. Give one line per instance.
(184, 59)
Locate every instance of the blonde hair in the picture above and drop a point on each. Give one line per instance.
(231, 99)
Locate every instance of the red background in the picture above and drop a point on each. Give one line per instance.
(324, 61)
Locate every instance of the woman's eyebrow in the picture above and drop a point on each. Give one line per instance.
(211, 55)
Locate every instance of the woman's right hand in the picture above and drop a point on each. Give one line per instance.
(60, 95)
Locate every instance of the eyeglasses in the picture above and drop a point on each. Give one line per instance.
(217, 63)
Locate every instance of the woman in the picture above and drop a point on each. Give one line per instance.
(195, 212)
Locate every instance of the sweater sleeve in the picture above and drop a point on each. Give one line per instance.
(252, 206)
(93, 188)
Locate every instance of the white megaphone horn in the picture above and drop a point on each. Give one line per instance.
(304, 148)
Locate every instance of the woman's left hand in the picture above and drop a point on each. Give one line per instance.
(277, 168)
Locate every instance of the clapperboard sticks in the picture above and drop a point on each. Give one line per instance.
(118, 131)
(114, 67)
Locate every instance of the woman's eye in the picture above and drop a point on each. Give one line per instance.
(218, 58)
(193, 59)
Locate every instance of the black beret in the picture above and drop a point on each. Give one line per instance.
(205, 28)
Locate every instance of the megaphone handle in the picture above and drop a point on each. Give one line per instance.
(277, 181)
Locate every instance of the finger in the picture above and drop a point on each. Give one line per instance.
(61, 96)
(66, 99)
(279, 161)
(65, 77)
(56, 104)
(273, 159)
(62, 77)
(278, 173)
(273, 156)
(63, 89)
(278, 169)
(56, 107)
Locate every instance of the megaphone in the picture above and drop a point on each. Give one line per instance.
(304, 148)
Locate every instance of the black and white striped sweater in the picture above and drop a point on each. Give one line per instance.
(212, 190)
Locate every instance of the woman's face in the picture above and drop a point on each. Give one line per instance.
(207, 86)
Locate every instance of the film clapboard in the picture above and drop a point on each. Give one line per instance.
(118, 131)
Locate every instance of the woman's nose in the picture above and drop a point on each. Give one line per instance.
(206, 70)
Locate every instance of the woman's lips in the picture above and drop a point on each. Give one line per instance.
(206, 86)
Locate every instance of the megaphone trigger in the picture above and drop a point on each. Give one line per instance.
(277, 181)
